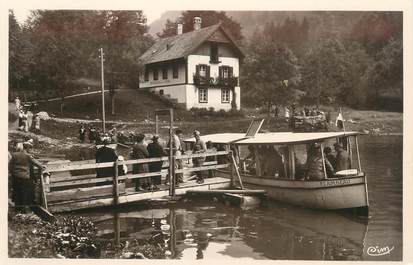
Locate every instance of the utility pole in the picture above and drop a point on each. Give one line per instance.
(103, 89)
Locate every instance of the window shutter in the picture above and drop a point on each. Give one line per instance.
(208, 71)
(197, 69)
(220, 71)
(230, 71)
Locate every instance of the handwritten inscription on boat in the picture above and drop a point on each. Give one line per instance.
(336, 182)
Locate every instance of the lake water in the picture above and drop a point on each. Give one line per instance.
(207, 229)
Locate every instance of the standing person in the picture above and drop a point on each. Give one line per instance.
(198, 147)
(156, 150)
(25, 122)
(82, 133)
(92, 134)
(21, 124)
(105, 154)
(177, 151)
(139, 151)
(17, 102)
(36, 123)
(21, 170)
(342, 157)
(29, 120)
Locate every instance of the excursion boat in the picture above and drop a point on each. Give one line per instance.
(284, 179)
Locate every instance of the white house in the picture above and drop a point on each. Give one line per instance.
(199, 69)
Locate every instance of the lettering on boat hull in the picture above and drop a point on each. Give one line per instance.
(336, 182)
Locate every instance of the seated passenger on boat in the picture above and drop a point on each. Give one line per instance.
(328, 153)
(250, 160)
(342, 157)
(315, 167)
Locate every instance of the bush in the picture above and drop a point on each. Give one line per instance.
(210, 112)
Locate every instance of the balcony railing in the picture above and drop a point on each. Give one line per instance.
(215, 82)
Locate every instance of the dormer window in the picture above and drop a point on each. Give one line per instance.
(214, 53)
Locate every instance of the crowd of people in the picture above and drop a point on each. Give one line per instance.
(143, 150)
(28, 119)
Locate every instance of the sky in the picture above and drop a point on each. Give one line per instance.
(151, 14)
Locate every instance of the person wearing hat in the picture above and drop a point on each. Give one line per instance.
(139, 151)
(155, 150)
(198, 147)
(177, 151)
(105, 154)
(21, 171)
(315, 168)
(342, 157)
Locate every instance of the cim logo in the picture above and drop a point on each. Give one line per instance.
(379, 251)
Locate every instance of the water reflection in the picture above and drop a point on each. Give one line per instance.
(220, 231)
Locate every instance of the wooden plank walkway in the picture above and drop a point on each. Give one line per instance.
(73, 185)
(132, 196)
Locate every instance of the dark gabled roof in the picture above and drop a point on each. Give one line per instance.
(180, 46)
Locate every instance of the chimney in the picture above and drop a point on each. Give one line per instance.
(179, 28)
(197, 23)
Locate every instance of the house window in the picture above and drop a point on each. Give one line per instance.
(203, 95)
(175, 71)
(165, 73)
(146, 75)
(225, 71)
(225, 95)
(203, 70)
(214, 53)
(155, 74)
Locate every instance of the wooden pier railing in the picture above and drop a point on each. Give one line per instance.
(74, 185)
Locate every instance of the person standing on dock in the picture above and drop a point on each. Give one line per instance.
(105, 154)
(177, 151)
(82, 133)
(21, 170)
(156, 150)
(198, 147)
(140, 151)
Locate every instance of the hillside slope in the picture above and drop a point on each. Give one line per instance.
(131, 105)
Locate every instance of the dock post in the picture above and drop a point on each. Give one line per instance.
(171, 158)
(116, 184)
(117, 229)
(232, 170)
(44, 199)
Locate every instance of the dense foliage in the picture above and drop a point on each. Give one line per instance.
(359, 67)
(61, 46)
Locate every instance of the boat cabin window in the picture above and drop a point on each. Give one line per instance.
(265, 160)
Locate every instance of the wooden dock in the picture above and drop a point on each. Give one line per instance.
(73, 185)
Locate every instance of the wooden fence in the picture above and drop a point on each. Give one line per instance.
(74, 185)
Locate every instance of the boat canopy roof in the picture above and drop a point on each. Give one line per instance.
(271, 137)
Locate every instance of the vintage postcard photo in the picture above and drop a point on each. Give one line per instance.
(219, 133)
